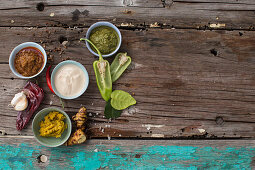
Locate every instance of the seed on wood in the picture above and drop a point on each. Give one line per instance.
(42, 158)
(201, 130)
(64, 43)
(3, 133)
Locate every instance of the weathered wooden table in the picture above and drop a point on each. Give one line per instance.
(192, 75)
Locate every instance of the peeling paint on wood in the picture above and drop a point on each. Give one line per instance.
(157, 135)
(149, 126)
(127, 25)
(25, 156)
(218, 25)
(155, 25)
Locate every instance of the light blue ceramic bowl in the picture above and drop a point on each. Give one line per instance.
(20, 47)
(54, 73)
(97, 24)
(51, 141)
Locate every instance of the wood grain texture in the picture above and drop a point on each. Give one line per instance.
(129, 154)
(227, 14)
(187, 83)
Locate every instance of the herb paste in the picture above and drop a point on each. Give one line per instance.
(105, 39)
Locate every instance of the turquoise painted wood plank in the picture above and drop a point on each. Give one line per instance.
(24, 156)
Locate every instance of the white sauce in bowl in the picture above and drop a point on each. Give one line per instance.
(69, 80)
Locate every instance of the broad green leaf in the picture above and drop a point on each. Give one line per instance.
(121, 100)
(110, 112)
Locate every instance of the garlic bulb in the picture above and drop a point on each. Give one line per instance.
(19, 102)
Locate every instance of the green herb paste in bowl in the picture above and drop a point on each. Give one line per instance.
(105, 39)
(105, 36)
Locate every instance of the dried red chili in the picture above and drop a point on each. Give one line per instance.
(35, 96)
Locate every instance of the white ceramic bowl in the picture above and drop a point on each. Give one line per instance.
(97, 24)
(20, 47)
(55, 71)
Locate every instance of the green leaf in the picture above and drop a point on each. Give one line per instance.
(110, 112)
(121, 100)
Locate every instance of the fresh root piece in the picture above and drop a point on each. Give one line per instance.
(80, 118)
(77, 137)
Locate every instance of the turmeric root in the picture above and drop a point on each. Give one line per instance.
(77, 137)
(81, 118)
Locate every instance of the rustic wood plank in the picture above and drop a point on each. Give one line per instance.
(215, 1)
(228, 14)
(131, 154)
(117, 3)
(183, 87)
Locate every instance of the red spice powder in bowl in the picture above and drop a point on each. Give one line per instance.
(27, 60)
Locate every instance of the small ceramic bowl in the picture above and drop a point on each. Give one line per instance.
(20, 47)
(51, 141)
(55, 71)
(97, 24)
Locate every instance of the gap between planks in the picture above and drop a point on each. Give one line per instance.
(135, 138)
(158, 26)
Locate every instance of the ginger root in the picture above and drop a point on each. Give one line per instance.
(78, 136)
(80, 118)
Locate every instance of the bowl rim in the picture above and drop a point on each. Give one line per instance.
(103, 23)
(15, 51)
(77, 64)
(69, 129)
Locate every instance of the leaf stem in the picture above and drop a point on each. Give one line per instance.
(62, 103)
(99, 53)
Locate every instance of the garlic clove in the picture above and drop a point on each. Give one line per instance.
(16, 98)
(19, 102)
(21, 105)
